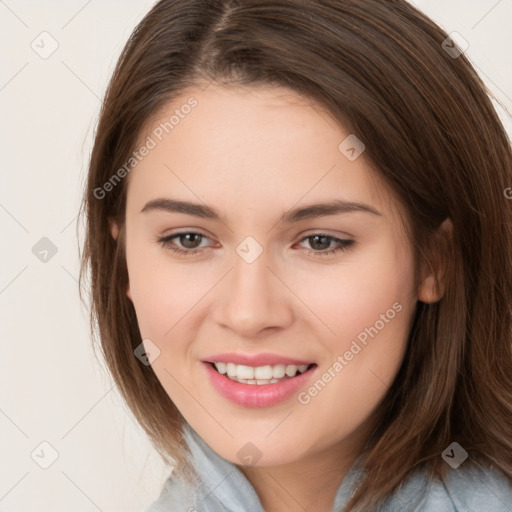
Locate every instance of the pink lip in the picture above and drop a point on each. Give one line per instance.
(255, 359)
(255, 395)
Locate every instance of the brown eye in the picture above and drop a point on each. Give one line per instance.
(319, 242)
(188, 242)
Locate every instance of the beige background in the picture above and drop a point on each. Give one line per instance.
(52, 388)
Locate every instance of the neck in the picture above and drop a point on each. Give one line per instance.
(310, 483)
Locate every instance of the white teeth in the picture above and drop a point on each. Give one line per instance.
(244, 372)
(231, 369)
(263, 372)
(257, 382)
(221, 367)
(278, 371)
(291, 370)
(260, 374)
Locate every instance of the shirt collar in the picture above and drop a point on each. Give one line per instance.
(222, 484)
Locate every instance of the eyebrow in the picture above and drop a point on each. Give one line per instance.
(311, 211)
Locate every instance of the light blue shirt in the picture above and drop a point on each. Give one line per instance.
(222, 487)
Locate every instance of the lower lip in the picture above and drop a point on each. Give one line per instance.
(256, 395)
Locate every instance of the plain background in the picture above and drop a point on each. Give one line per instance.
(52, 388)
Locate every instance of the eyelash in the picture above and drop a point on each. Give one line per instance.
(166, 242)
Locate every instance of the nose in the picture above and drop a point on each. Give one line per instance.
(253, 299)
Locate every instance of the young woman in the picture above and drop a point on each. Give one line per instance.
(299, 240)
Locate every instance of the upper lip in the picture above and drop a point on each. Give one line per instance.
(255, 360)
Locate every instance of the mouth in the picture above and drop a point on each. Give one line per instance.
(260, 375)
(258, 386)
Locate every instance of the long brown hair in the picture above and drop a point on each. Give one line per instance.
(382, 70)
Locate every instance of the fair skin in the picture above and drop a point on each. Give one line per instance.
(251, 154)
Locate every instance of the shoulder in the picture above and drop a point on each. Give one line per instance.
(469, 488)
(479, 488)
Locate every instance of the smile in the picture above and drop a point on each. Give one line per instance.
(258, 386)
(259, 375)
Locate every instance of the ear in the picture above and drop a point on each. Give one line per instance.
(114, 227)
(114, 231)
(433, 273)
(127, 291)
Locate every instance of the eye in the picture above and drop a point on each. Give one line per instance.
(188, 239)
(190, 243)
(322, 241)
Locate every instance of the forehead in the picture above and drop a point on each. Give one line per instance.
(265, 144)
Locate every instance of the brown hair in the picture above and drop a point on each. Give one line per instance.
(429, 127)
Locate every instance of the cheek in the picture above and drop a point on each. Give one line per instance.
(163, 291)
(371, 315)
(352, 297)
(162, 304)
(362, 359)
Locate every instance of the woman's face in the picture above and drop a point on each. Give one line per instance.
(277, 284)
